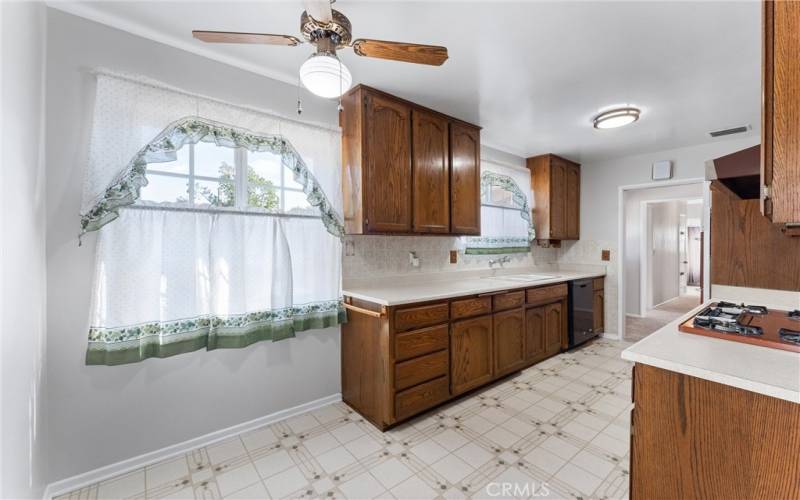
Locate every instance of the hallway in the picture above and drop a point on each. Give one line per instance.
(637, 328)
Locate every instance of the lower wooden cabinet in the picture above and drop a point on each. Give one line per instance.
(555, 327)
(400, 361)
(535, 326)
(471, 358)
(509, 341)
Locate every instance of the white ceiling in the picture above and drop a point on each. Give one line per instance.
(532, 74)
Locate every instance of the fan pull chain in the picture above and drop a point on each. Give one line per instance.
(299, 104)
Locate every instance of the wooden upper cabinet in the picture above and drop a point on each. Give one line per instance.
(556, 185)
(465, 179)
(780, 120)
(431, 173)
(387, 165)
(407, 169)
(471, 357)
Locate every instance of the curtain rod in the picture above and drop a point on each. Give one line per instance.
(217, 211)
(142, 80)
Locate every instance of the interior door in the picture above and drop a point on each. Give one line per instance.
(470, 353)
(509, 341)
(535, 326)
(388, 165)
(430, 139)
(465, 179)
(554, 327)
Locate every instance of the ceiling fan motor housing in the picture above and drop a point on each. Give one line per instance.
(327, 36)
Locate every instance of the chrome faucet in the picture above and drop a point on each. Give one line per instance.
(501, 261)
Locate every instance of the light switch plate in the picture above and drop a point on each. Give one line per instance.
(453, 256)
(606, 255)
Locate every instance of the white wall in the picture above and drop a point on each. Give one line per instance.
(634, 217)
(100, 415)
(22, 249)
(664, 219)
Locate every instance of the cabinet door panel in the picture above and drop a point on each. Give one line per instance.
(430, 137)
(558, 201)
(509, 341)
(465, 190)
(535, 325)
(470, 353)
(387, 165)
(554, 328)
(598, 307)
(573, 202)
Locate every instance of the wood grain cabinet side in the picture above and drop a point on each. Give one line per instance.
(780, 132)
(471, 353)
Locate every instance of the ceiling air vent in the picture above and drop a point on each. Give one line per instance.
(729, 131)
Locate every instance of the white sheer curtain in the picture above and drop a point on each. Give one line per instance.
(169, 281)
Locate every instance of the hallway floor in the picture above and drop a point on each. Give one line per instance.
(638, 328)
(561, 427)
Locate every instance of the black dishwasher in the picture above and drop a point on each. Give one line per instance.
(581, 313)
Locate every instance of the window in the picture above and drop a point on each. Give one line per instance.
(205, 175)
(505, 215)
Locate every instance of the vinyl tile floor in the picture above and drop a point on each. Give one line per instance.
(559, 429)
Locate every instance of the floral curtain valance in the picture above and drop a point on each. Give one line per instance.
(138, 121)
(125, 191)
(504, 230)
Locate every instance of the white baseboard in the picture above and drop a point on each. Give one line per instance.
(634, 315)
(76, 482)
(610, 336)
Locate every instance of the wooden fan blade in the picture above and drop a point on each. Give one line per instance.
(231, 37)
(320, 10)
(398, 51)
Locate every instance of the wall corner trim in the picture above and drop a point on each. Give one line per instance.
(73, 483)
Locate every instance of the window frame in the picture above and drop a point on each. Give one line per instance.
(240, 184)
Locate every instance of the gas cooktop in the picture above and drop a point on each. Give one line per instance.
(750, 324)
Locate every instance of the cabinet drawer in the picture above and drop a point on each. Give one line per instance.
(471, 307)
(412, 372)
(508, 300)
(416, 317)
(420, 398)
(546, 293)
(597, 284)
(418, 342)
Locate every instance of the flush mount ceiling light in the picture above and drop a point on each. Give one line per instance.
(329, 30)
(618, 117)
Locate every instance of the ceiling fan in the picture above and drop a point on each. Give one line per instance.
(323, 73)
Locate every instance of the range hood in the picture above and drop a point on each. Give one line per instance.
(740, 172)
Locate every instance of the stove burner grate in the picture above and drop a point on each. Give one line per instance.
(791, 336)
(794, 314)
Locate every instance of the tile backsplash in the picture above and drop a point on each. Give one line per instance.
(376, 256)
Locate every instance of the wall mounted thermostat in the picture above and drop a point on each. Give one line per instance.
(662, 170)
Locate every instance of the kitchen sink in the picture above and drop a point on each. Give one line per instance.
(524, 277)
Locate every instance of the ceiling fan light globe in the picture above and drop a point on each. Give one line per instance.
(320, 75)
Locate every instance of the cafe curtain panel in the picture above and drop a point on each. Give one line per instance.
(173, 281)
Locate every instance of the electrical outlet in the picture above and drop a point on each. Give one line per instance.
(606, 255)
(349, 248)
(453, 256)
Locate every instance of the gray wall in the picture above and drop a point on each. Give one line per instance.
(100, 415)
(22, 248)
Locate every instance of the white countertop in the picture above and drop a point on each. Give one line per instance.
(392, 291)
(764, 370)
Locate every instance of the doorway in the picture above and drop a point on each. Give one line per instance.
(662, 254)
